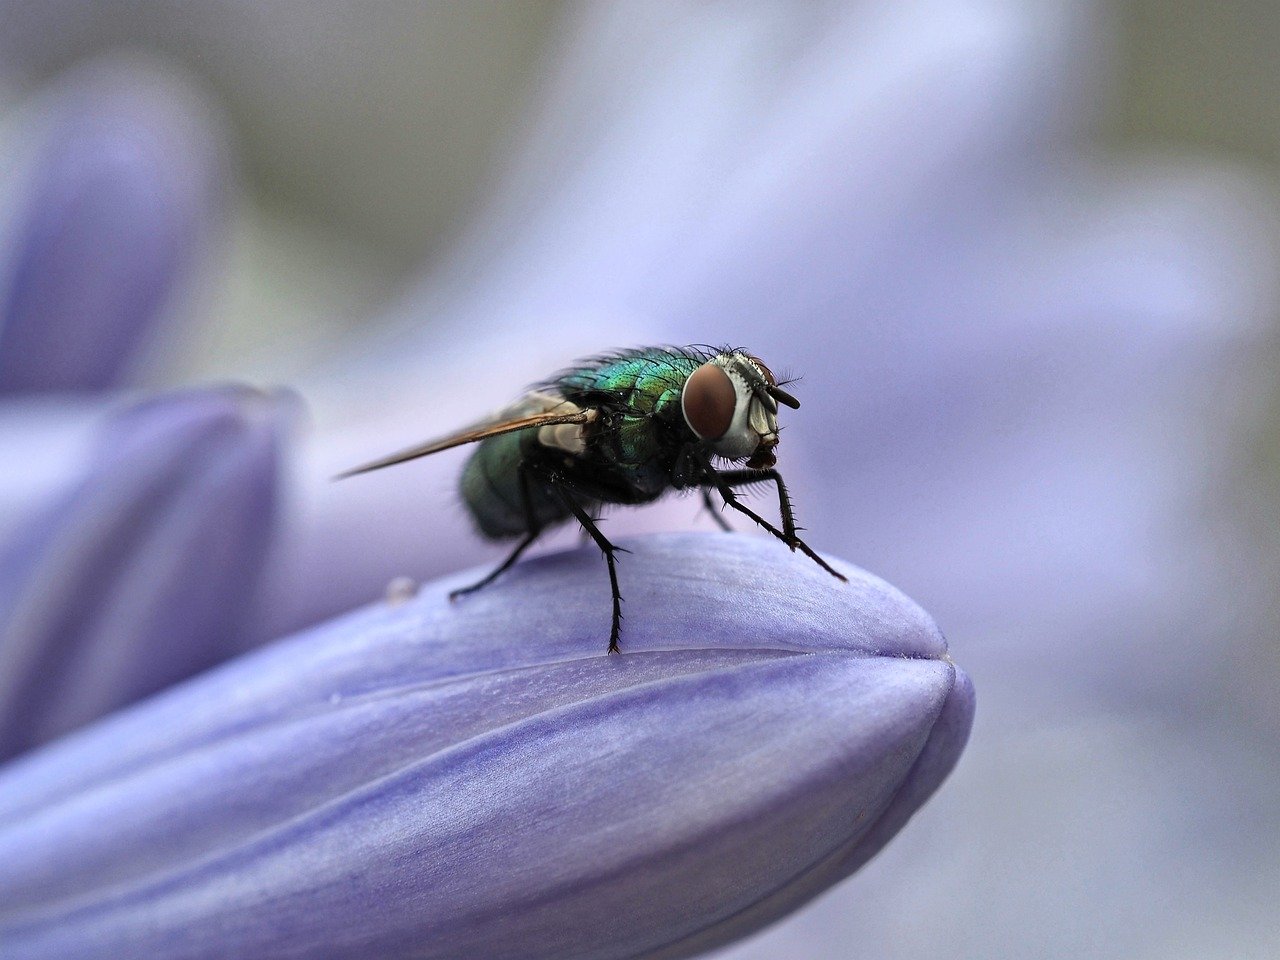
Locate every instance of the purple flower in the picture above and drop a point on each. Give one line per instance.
(113, 210)
(1025, 363)
(435, 779)
(144, 573)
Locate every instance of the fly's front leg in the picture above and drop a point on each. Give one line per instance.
(742, 478)
(725, 482)
(689, 472)
(531, 524)
(608, 549)
(583, 536)
(721, 522)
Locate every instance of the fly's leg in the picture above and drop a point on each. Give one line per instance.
(608, 549)
(721, 522)
(531, 524)
(500, 569)
(689, 466)
(742, 478)
(583, 536)
(725, 482)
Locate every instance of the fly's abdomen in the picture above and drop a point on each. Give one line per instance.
(491, 488)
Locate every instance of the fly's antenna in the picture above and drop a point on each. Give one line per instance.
(777, 393)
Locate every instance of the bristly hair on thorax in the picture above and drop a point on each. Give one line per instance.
(678, 360)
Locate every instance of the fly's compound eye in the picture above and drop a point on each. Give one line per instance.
(709, 400)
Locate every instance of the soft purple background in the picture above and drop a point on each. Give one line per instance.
(1034, 380)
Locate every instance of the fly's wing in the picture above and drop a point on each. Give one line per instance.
(489, 428)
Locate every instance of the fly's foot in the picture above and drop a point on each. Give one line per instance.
(797, 543)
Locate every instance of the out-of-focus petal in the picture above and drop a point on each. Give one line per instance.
(42, 443)
(113, 211)
(139, 576)
(478, 779)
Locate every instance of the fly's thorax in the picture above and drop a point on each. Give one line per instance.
(731, 403)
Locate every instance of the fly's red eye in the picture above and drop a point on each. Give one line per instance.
(768, 374)
(709, 400)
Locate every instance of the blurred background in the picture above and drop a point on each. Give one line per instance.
(1024, 256)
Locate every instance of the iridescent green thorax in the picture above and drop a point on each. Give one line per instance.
(647, 380)
(646, 428)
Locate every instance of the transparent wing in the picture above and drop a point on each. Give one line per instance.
(471, 434)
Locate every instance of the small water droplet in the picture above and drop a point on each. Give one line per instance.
(401, 590)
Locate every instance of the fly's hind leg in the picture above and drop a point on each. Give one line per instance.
(608, 549)
(500, 569)
(725, 481)
(531, 524)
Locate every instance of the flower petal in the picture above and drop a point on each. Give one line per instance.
(478, 779)
(138, 577)
(114, 214)
(42, 444)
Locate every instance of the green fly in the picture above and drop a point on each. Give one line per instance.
(622, 428)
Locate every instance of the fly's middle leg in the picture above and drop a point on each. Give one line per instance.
(609, 550)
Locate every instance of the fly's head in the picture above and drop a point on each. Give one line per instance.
(731, 403)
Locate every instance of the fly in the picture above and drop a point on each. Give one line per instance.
(622, 428)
